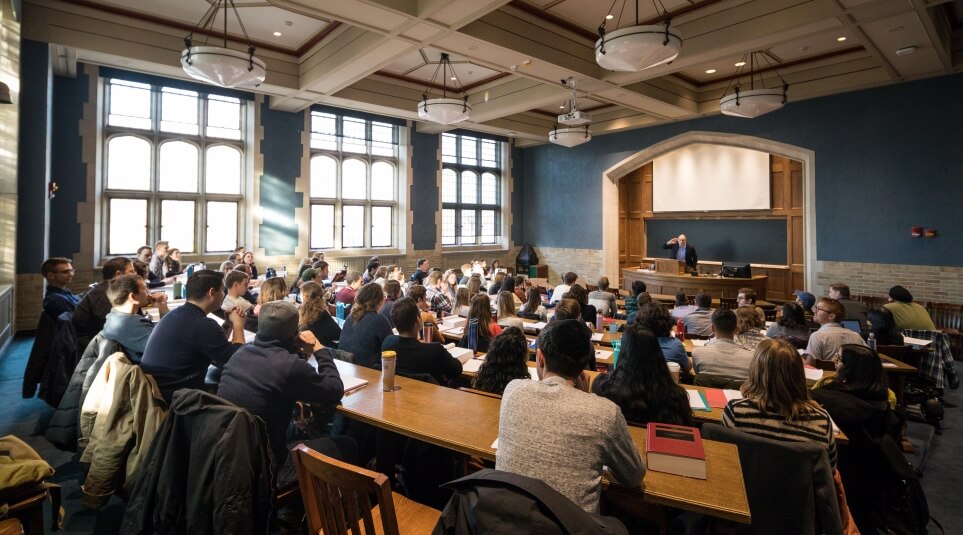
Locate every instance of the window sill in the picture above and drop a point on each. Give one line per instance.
(487, 248)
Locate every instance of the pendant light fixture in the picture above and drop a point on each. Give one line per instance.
(444, 109)
(639, 47)
(572, 127)
(220, 65)
(753, 102)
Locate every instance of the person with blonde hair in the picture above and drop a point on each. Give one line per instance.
(506, 310)
(315, 317)
(776, 402)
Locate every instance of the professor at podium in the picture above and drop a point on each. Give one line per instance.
(681, 250)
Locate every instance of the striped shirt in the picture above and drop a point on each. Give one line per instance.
(813, 425)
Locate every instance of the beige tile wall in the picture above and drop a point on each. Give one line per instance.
(926, 283)
(587, 263)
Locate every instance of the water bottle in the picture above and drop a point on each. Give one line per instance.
(550, 294)
(599, 323)
(190, 271)
(426, 331)
(178, 288)
(680, 330)
(871, 341)
(284, 272)
(472, 333)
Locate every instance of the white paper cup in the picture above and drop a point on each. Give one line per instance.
(674, 370)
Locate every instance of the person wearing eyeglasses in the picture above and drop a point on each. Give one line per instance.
(59, 273)
(824, 344)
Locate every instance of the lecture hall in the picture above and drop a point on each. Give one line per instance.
(518, 266)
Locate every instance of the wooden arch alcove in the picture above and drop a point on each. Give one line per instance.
(627, 196)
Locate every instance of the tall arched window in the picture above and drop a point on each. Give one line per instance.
(470, 190)
(354, 182)
(174, 168)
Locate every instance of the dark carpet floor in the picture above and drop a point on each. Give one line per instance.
(941, 462)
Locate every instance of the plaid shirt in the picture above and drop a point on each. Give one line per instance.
(437, 300)
(937, 365)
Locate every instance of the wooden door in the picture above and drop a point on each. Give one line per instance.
(631, 223)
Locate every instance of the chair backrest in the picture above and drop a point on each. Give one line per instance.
(337, 495)
(728, 302)
(802, 489)
(710, 380)
(601, 306)
(946, 316)
(770, 314)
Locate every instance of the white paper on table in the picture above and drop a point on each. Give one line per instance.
(910, 341)
(536, 326)
(472, 365)
(350, 383)
(495, 444)
(813, 374)
(602, 354)
(698, 343)
(248, 335)
(770, 323)
(597, 337)
(463, 354)
(731, 394)
(695, 400)
(889, 365)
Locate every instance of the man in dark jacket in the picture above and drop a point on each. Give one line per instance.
(681, 250)
(91, 312)
(268, 376)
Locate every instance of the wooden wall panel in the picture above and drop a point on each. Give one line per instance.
(778, 180)
(796, 185)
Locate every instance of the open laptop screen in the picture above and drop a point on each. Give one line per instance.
(852, 325)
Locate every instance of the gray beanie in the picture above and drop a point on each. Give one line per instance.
(277, 320)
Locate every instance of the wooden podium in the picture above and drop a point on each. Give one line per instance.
(667, 265)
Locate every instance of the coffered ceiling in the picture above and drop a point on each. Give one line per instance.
(509, 56)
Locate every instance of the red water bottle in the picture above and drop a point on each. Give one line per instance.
(680, 330)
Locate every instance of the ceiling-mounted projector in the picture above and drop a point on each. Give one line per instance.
(574, 118)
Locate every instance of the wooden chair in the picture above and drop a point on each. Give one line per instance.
(770, 314)
(949, 319)
(337, 499)
(728, 302)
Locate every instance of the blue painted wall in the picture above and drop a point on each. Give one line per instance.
(67, 168)
(518, 212)
(33, 155)
(281, 149)
(424, 194)
(886, 159)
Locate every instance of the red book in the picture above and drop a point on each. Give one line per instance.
(716, 398)
(675, 449)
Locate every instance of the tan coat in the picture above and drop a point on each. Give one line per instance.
(120, 416)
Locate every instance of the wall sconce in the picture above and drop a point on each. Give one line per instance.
(930, 233)
(52, 188)
(916, 232)
(5, 94)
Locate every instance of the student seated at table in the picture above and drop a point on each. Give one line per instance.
(603, 294)
(641, 299)
(92, 310)
(462, 300)
(749, 328)
(568, 279)
(567, 309)
(631, 302)
(682, 307)
(267, 377)
(792, 325)
(315, 316)
(859, 373)
(884, 328)
(747, 298)
(125, 325)
(824, 344)
(346, 295)
(588, 312)
(656, 319)
(533, 305)
(508, 285)
(496, 284)
(392, 294)
(505, 361)
(185, 341)
(720, 356)
(641, 384)
(554, 430)
(699, 321)
(777, 404)
(474, 286)
(520, 286)
(415, 357)
(506, 310)
(236, 283)
(481, 310)
(248, 295)
(365, 330)
(419, 293)
(273, 289)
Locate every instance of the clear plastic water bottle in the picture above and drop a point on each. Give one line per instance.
(284, 272)
(871, 341)
(340, 311)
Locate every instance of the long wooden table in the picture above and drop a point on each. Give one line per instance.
(468, 423)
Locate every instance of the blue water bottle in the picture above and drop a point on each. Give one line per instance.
(472, 334)
(190, 271)
(340, 311)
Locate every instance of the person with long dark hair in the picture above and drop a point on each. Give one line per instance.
(533, 305)
(481, 310)
(859, 372)
(641, 384)
(578, 293)
(365, 329)
(657, 319)
(506, 360)
(792, 324)
(392, 294)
